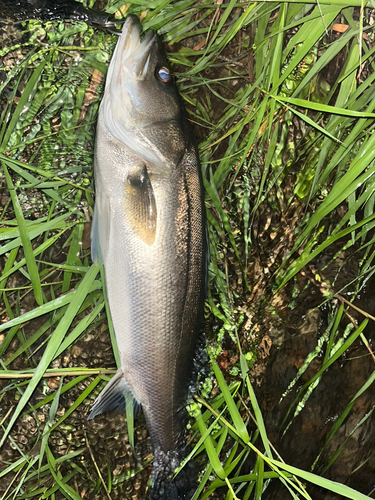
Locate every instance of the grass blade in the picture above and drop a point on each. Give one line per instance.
(52, 346)
(25, 240)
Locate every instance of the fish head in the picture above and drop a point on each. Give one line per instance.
(141, 106)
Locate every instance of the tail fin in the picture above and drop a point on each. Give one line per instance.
(167, 487)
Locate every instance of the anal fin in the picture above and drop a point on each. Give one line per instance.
(112, 396)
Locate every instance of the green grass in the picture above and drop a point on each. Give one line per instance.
(283, 106)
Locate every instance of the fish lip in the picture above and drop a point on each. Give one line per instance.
(132, 52)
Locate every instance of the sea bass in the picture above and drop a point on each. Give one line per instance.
(149, 232)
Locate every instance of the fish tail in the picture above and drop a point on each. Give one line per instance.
(167, 487)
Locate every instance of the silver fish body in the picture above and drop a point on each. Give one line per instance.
(149, 232)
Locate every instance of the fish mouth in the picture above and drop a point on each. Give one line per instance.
(132, 52)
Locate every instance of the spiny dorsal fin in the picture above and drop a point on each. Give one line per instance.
(140, 205)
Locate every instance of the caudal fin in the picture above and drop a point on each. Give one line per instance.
(167, 487)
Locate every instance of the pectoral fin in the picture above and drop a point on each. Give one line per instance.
(140, 205)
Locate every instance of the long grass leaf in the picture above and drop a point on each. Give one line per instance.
(210, 447)
(306, 257)
(25, 241)
(340, 489)
(34, 232)
(52, 346)
(48, 307)
(22, 104)
(235, 415)
(324, 108)
(51, 417)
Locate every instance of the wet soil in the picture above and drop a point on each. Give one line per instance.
(286, 327)
(290, 340)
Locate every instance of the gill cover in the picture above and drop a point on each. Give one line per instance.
(141, 107)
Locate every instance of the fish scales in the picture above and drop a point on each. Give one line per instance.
(152, 291)
(149, 232)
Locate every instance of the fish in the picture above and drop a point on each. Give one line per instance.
(149, 232)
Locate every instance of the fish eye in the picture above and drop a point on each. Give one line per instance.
(163, 74)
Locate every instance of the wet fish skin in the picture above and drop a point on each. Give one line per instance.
(149, 232)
